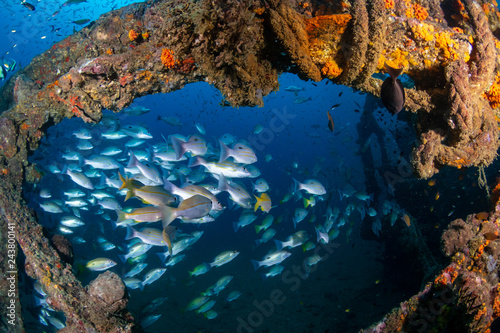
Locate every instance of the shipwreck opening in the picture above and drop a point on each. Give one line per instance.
(365, 149)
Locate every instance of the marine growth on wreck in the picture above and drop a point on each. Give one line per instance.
(219, 166)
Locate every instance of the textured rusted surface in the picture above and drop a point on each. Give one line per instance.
(447, 48)
(465, 296)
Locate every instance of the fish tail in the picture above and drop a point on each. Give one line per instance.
(224, 152)
(279, 244)
(257, 204)
(318, 236)
(130, 233)
(121, 216)
(263, 276)
(393, 72)
(297, 185)
(258, 242)
(163, 256)
(256, 264)
(178, 147)
(122, 257)
(258, 228)
(167, 215)
(306, 202)
(235, 226)
(166, 237)
(195, 161)
(130, 194)
(169, 186)
(132, 162)
(223, 185)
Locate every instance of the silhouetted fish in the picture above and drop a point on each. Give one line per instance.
(393, 93)
(331, 125)
(28, 5)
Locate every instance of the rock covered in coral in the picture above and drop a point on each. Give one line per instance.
(64, 248)
(109, 292)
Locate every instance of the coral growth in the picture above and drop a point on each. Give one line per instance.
(331, 70)
(132, 35)
(167, 58)
(493, 93)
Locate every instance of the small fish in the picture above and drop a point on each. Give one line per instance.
(233, 295)
(266, 223)
(194, 207)
(224, 258)
(171, 120)
(136, 110)
(300, 100)
(196, 145)
(406, 219)
(257, 129)
(311, 186)
(393, 93)
(264, 202)
(261, 185)
(28, 5)
(81, 22)
(482, 216)
(153, 275)
(199, 270)
(72, 2)
(271, 259)
(299, 215)
(240, 153)
(294, 89)
(491, 236)
(331, 124)
(431, 182)
(100, 264)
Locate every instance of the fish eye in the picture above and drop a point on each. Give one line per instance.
(240, 147)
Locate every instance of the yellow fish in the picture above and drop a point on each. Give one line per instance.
(264, 202)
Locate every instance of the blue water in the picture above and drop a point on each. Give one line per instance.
(355, 285)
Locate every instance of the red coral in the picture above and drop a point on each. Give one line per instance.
(187, 65)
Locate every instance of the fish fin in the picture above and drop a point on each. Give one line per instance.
(132, 162)
(121, 216)
(122, 257)
(166, 237)
(224, 152)
(129, 195)
(163, 256)
(393, 72)
(297, 185)
(255, 263)
(257, 204)
(195, 161)
(183, 180)
(167, 215)
(178, 147)
(223, 185)
(318, 236)
(130, 233)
